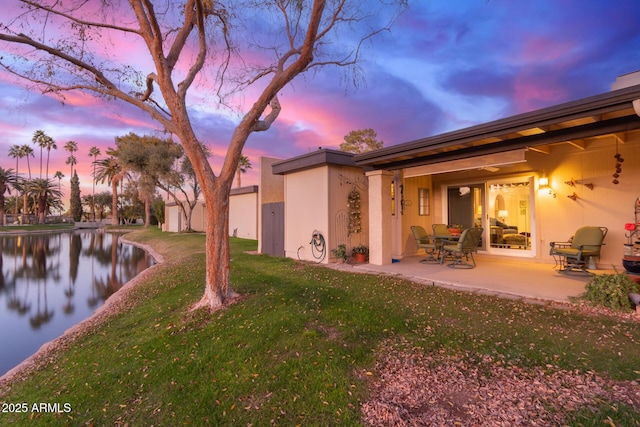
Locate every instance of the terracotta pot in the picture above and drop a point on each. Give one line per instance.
(360, 258)
(454, 231)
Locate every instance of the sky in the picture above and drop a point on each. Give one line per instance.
(445, 65)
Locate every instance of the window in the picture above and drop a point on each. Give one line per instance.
(423, 201)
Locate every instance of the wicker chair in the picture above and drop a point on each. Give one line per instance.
(574, 255)
(462, 249)
(423, 241)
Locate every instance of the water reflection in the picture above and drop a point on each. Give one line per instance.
(50, 282)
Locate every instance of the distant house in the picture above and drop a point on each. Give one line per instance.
(243, 214)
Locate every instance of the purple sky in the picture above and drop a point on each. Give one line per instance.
(445, 65)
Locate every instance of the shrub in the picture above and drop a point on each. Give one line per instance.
(610, 290)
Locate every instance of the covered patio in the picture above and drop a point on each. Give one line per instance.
(509, 278)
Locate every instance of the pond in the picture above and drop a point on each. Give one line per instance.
(51, 282)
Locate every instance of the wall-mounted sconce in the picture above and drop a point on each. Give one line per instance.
(571, 183)
(573, 196)
(543, 183)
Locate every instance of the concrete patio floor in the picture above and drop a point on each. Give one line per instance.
(494, 276)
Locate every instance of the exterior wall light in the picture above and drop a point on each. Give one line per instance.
(543, 183)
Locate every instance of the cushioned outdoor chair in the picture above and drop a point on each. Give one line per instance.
(574, 255)
(423, 241)
(463, 249)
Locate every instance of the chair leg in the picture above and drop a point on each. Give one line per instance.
(463, 263)
(430, 258)
(571, 265)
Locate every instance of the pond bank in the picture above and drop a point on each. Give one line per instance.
(110, 306)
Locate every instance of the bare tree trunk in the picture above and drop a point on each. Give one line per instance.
(147, 211)
(114, 202)
(2, 217)
(190, 215)
(24, 207)
(217, 291)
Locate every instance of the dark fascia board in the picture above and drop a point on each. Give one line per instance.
(592, 106)
(244, 190)
(314, 159)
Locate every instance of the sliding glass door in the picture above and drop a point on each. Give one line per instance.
(509, 208)
(503, 207)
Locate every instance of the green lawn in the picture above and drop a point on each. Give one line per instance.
(296, 349)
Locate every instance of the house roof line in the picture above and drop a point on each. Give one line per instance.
(313, 159)
(594, 106)
(622, 124)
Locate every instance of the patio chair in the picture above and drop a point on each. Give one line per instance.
(462, 249)
(574, 255)
(440, 233)
(423, 241)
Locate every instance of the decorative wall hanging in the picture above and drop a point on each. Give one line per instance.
(355, 213)
(619, 161)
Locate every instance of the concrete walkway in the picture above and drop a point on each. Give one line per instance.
(503, 277)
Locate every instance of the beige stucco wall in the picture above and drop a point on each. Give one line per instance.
(305, 210)
(243, 215)
(342, 180)
(411, 214)
(380, 232)
(317, 199)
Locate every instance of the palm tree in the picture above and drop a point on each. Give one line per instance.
(27, 152)
(59, 175)
(50, 143)
(46, 195)
(111, 171)
(43, 140)
(7, 177)
(16, 152)
(94, 152)
(243, 165)
(71, 147)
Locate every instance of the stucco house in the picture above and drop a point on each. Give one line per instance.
(527, 180)
(243, 214)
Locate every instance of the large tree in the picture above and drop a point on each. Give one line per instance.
(360, 141)
(189, 42)
(153, 159)
(46, 195)
(113, 172)
(75, 200)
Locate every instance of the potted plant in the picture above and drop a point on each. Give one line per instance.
(340, 252)
(631, 254)
(360, 253)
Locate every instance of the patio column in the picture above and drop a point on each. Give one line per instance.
(379, 216)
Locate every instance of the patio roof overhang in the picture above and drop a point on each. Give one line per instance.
(569, 123)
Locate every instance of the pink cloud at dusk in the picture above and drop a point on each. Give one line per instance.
(445, 65)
